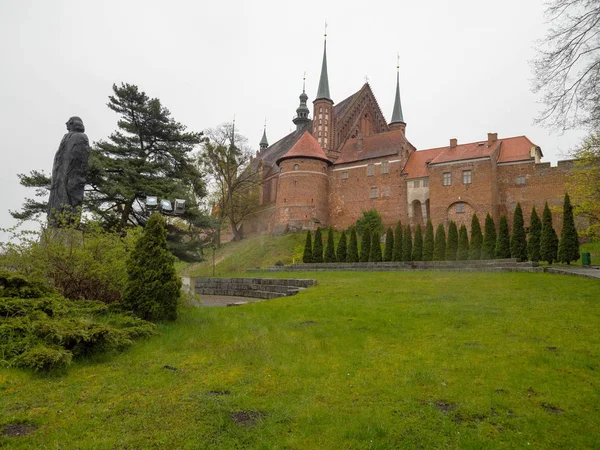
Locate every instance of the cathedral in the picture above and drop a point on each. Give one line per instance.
(348, 159)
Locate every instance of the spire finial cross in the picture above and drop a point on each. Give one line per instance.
(325, 28)
(366, 78)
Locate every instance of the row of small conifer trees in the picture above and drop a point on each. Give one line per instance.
(542, 244)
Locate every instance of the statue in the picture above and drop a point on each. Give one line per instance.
(69, 174)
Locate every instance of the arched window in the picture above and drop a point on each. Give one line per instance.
(296, 166)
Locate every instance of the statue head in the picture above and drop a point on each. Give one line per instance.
(75, 124)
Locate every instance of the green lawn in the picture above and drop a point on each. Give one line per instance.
(364, 360)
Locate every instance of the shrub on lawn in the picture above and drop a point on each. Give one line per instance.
(428, 242)
(439, 251)
(330, 249)
(388, 255)
(407, 244)
(307, 255)
(365, 245)
(452, 242)
(476, 239)
(417, 249)
(375, 249)
(341, 253)
(462, 252)
(568, 248)
(488, 248)
(352, 256)
(535, 234)
(518, 240)
(398, 242)
(503, 239)
(317, 253)
(548, 239)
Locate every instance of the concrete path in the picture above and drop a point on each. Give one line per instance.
(579, 271)
(226, 300)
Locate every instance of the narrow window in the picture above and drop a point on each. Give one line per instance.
(521, 180)
(345, 175)
(460, 207)
(296, 166)
(384, 167)
(467, 176)
(370, 170)
(373, 192)
(426, 182)
(447, 179)
(417, 183)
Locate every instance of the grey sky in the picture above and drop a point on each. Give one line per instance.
(464, 68)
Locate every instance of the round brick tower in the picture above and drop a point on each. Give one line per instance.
(302, 193)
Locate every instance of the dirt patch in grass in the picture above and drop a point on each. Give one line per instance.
(552, 348)
(246, 418)
(218, 393)
(17, 429)
(551, 408)
(445, 406)
(171, 368)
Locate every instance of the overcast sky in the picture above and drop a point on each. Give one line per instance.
(464, 68)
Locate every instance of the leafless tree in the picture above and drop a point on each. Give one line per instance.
(567, 67)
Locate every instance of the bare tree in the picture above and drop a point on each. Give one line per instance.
(567, 68)
(227, 159)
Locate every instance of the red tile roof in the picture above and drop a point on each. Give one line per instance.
(306, 147)
(516, 149)
(461, 152)
(416, 166)
(374, 146)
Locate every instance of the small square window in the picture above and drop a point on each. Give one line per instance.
(426, 182)
(370, 170)
(521, 180)
(384, 167)
(417, 184)
(467, 177)
(460, 207)
(296, 166)
(447, 179)
(373, 192)
(345, 175)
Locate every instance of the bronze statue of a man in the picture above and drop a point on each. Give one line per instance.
(69, 174)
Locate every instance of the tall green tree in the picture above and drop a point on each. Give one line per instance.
(503, 239)
(389, 245)
(307, 255)
(535, 234)
(428, 242)
(462, 253)
(476, 238)
(370, 219)
(488, 248)
(352, 256)
(548, 240)
(452, 242)
(317, 253)
(398, 242)
(439, 251)
(365, 245)
(153, 288)
(417, 250)
(330, 249)
(518, 239)
(568, 248)
(375, 250)
(407, 244)
(342, 252)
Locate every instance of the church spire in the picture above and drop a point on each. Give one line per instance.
(397, 117)
(323, 91)
(302, 111)
(264, 143)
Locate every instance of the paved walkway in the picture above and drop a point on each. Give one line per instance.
(579, 271)
(226, 300)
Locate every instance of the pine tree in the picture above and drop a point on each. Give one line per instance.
(341, 253)
(398, 242)
(352, 255)
(365, 245)
(307, 256)
(389, 245)
(407, 244)
(330, 249)
(503, 239)
(548, 239)
(476, 239)
(439, 251)
(153, 288)
(568, 248)
(417, 250)
(317, 254)
(488, 248)
(428, 242)
(462, 252)
(375, 250)
(535, 233)
(452, 242)
(518, 239)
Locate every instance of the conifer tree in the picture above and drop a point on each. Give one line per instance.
(341, 253)
(452, 242)
(307, 256)
(407, 244)
(488, 248)
(330, 249)
(153, 288)
(476, 239)
(375, 250)
(365, 245)
(317, 254)
(462, 252)
(439, 251)
(518, 239)
(548, 239)
(428, 242)
(398, 242)
(535, 233)
(503, 239)
(352, 255)
(417, 250)
(568, 248)
(389, 245)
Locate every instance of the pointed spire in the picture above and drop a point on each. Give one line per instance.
(264, 143)
(397, 116)
(323, 91)
(302, 111)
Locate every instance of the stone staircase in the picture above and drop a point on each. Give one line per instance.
(265, 288)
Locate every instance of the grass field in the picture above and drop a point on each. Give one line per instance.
(363, 360)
